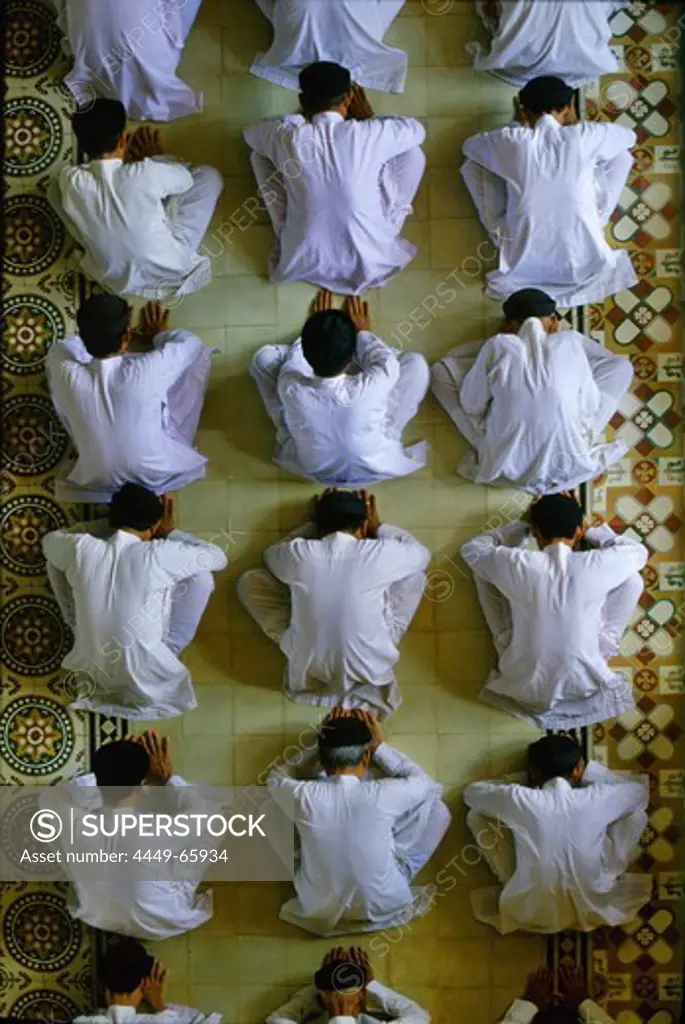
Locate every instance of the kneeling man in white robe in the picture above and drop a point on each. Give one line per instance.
(126, 904)
(362, 840)
(560, 846)
(133, 592)
(338, 184)
(140, 216)
(133, 979)
(130, 51)
(557, 614)
(545, 190)
(533, 399)
(340, 398)
(530, 39)
(337, 597)
(348, 32)
(345, 990)
(130, 401)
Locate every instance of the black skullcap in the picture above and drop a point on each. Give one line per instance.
(528, 302)
(325, 80)
(102, 319)
(544, 94)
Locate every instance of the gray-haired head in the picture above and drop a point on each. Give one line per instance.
(343, 743)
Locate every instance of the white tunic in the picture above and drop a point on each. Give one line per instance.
(116, 412)
(129, 51)
(116, 211)
(121, 602)
(349, 878)
(129, 905)
(533, 400)
(337, 231)
(346, 32)
(572, 846)
(558, 247)
(339, 631)
(339, 426)
(380, 1002)
(552, 664)
(523, 1012)
(549, 37)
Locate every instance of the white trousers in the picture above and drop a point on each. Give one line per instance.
(399, 182)
(618, 608)
(403, 403)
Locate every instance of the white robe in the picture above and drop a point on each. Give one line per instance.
(380, 1002)
(523, 1012)
(129, 51)
(361, 843)
(572, 848)
(552, 624)
(518, 176)
(118, 602)
(549, 37)
(344, 430)
(131, 417)
(140, 223)
(344, 204)
(346, 615)
(171, 1014)
(127, 905)
(346, 32)
(532, 405)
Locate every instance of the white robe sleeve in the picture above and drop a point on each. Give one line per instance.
(494, 800)
(261, 135)
(396, 1006)
(179, 556)
(377, 359)
(619, 795)
(520, 1012)
(166, 177)
(59, 548)
(408, 784)
(603, 140)
(298, 1009)
(615, 557)
(175, 1014)
(396, 135)
(493, 555)
(475, 394)
(282, 560)
(403, 556)
(174, 352)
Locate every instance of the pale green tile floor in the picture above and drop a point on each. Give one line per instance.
(245, 961)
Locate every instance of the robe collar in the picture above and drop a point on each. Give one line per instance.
(327, 114)
(556, 783)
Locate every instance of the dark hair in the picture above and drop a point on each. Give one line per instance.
(343, 742)
(99, 126)
(544, 94)
(556, 1015)
(329, 341)
(125, 966)
(340, 976)
(339, 510)
(135, 507)
(121, 765)
(323, 85)
(554, 757)
(102, 322)
(556, 515)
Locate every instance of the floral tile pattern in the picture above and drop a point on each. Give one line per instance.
(637, 969)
